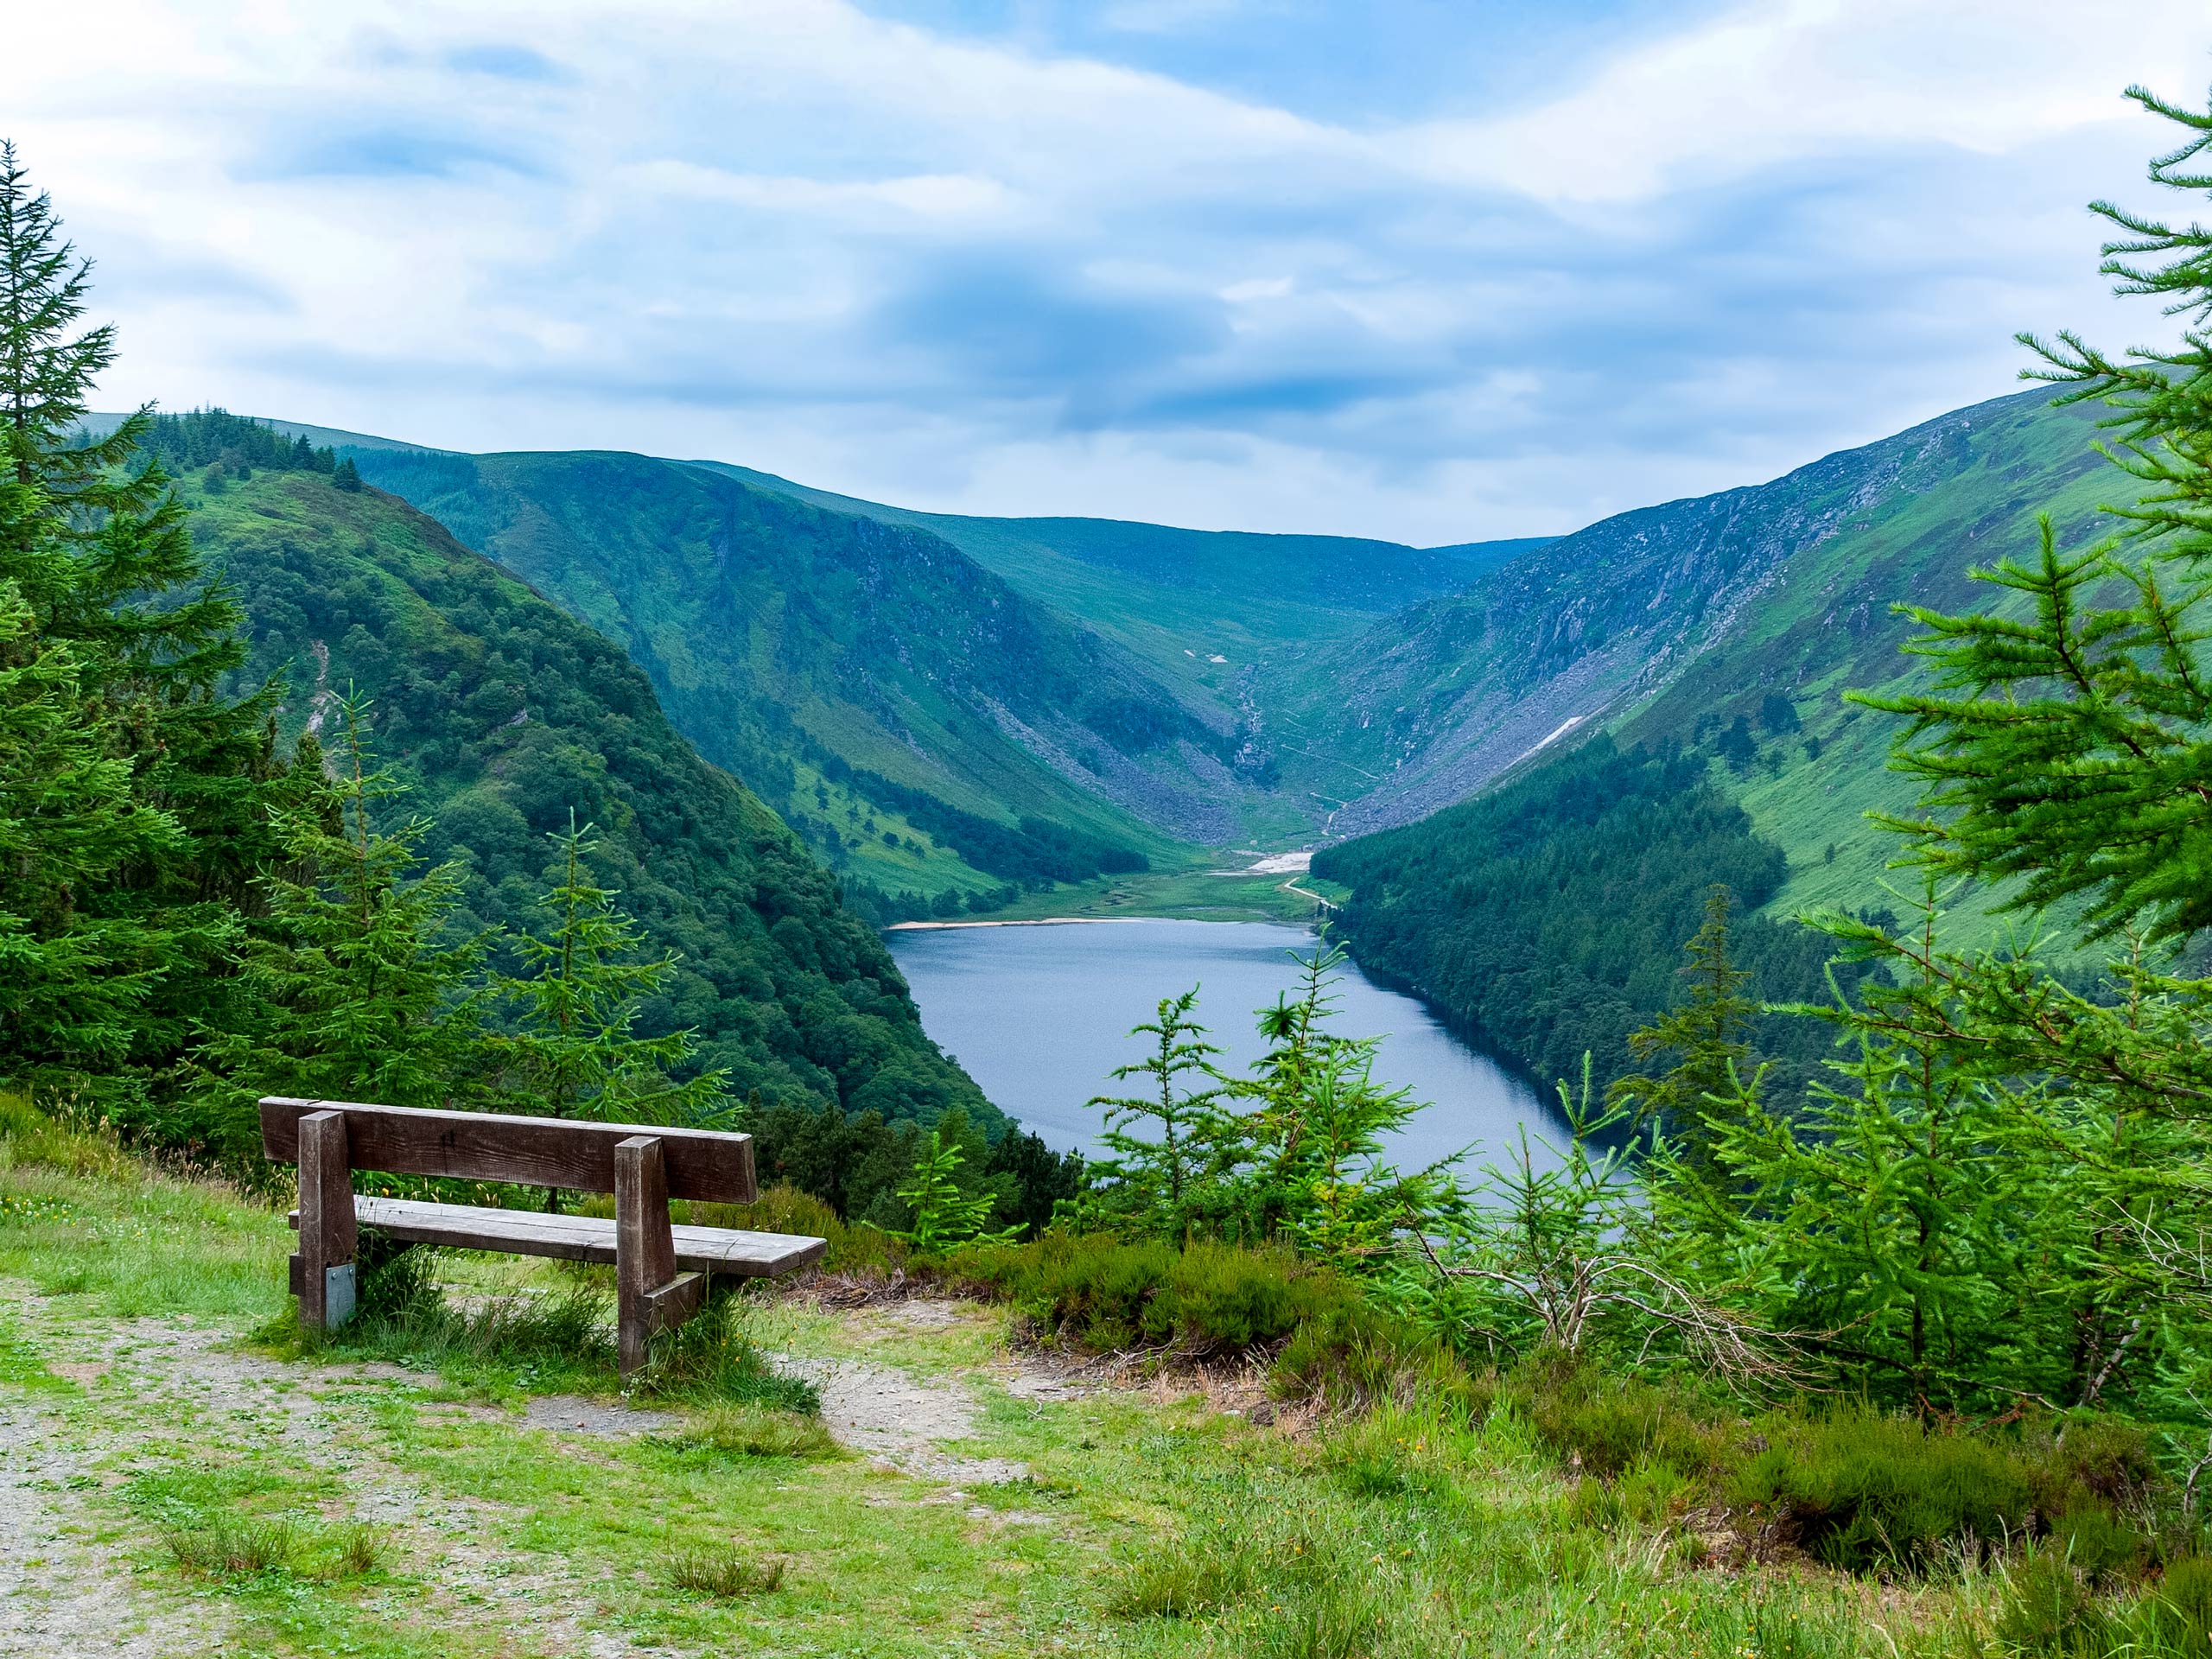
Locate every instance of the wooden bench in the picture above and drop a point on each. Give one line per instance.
(661, 1270)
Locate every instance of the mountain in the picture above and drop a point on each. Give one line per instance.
(914, 714)
(1692, 598)
(942, 705)
(506, 713)
(1717, 637)
(1201, 607)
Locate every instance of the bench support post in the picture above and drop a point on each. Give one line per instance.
(650, 1295)
(328, 1237)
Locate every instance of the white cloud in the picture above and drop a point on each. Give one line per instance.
(1784, 80)
(981, 276)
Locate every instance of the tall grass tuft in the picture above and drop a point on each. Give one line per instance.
(724, 1572)
(229, 1546)
(710, 1359)
(762, 1432)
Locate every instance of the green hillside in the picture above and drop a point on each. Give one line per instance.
(506, 714)
(1721, 632)
(1429, 705)
(960, 709)
(1204, 609)
(918, 719)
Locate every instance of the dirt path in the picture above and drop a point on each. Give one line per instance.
(65, 1594)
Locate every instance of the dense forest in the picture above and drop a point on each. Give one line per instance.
(1547, 917)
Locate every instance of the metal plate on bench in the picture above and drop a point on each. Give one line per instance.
(580, 1238)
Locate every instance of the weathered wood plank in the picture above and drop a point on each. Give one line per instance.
(705, 1164)
(668, 1306)
(327, 1241)
(582, 1238)
(644, 1253)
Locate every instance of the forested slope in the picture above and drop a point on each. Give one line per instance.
(887, 693)
(507, 713)
(1547, 917)
(1720, 633)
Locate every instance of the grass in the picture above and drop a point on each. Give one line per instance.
(1190, 891)
(726, 1574)
(231, 1547)
(753, 1431)
(229, 1485)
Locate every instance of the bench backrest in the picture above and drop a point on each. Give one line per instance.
(704, 1164)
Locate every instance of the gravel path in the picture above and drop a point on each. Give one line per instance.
(64, 1594)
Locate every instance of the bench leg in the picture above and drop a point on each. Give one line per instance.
(649, 1296)
(328, 1237)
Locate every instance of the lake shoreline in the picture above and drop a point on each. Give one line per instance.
(1044, 921)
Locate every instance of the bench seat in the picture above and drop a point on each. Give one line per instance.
(580, 1238)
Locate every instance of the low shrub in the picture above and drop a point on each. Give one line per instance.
(1097, 1291)
(725, 1572)
(1208, 1301)
(1605, 1424)
(1867, 1490)
(2181, 1608)
(2078, 1462)
(2049, 1609)
(1859, 1489)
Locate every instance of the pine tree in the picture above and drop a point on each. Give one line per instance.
(944, 1213)
(362, 990)
(1998, 1197)
(575, 1052)
(1710, 1032)
(101, 556)
(73, 987)
(1303, 1162)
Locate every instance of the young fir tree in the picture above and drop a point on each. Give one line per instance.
(575, 1052)
(1151, 1176)
(1303, 1162)
(361, 990)
(1709, 1034)
(945, 1213)
(2070, 735)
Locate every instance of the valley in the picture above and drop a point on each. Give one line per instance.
(1185, 689)
(1031, 718)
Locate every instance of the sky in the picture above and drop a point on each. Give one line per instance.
(1436, 270)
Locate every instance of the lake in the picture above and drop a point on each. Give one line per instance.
(1039, 1015)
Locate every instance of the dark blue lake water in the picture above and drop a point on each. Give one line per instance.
(1039, 1016)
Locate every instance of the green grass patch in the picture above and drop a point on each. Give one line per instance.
(726, 1574)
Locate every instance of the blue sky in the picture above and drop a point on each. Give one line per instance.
(1430, 270)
